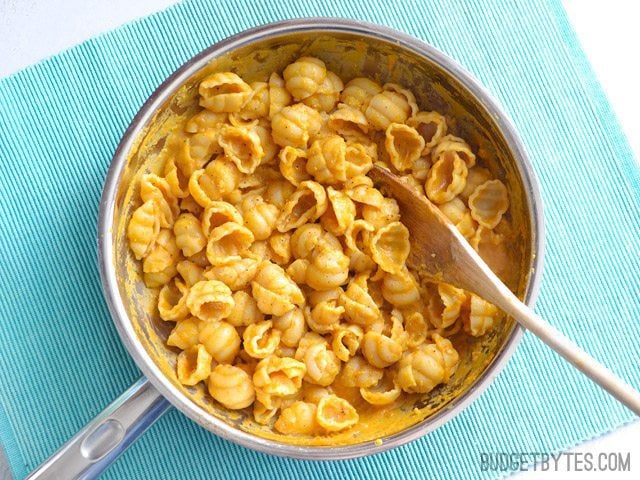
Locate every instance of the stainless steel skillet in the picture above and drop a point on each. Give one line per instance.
(438, 82)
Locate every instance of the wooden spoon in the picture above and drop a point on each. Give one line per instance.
(437, 248)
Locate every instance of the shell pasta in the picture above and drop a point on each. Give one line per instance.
(282, 269)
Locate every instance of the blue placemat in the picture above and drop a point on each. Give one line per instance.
(61, 360)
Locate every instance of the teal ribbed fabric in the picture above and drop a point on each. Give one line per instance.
(61, 360)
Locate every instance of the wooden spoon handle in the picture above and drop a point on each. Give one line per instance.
(476, 276)
(571, 352)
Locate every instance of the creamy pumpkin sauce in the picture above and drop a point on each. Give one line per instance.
(348, 58)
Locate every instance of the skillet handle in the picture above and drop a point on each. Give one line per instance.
(94, 448)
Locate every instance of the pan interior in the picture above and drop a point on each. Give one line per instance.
(349, 55)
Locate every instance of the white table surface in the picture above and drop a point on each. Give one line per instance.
(31, 30)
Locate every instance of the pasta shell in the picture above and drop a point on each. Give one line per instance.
(237, 120)
(193, 365)
(236, 274)
(279, 97)
(279, 192)
(481, 317)
(294, 125)
(221, 340)
(153, 187)
(328, 268)
(420, 169)
(264, 415)
(158, 279)
(292, 326)
(340, 213)
(414, 184)
(177, 180)
(421, 370)
(172, 304)
(263, 130)
(313, 393)
(326, 162)
(245, 310)
(218, 213)
(191, 272)
(261, 218)
(431, 126)
(379, 216)
(451, 146)
(348, 121)
(358, 92)
(385, 392)
(315, 297)
(476, 177)
(325, 316)
(322, 364)
(431, 364)
(163, 255)
(357, 372)
(227, 243)
(467, 226)
(446, 179)
(143, 229)
(400, 289)
(185, 334)
(358, 160)
(189, 236)
(327, 95)
(404, 146)
(280, 248)
(204, 120)
(297, 271)
(390, 247)
(406, 93)
(293, 162)
(178, 146)
(299, 418)
(202, 146)
(358, 239)
(359, 307)
(305, 205)
(274, 291)
(242, 146)
(454, 210)
(219, 179)
(365, 194)
(260, 339)
(231, 386)
(306, 238)
(488, 203)
(449, 354)
(335, 413)
(210, 300)
(415, 327)
(345, 341)
(307, 340)
(304, 77)
(257, 104)
(380, 350)
(387, 107)
(223, 92)
(277, 377)
(444, 307)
